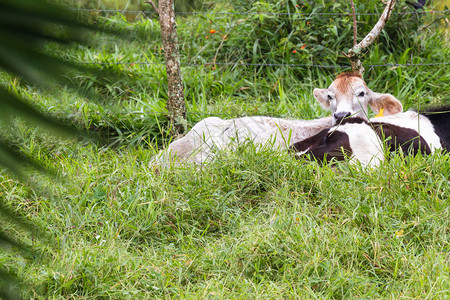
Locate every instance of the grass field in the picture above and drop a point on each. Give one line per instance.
(251, 224)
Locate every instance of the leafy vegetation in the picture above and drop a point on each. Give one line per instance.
(213, 47)
(252, 223)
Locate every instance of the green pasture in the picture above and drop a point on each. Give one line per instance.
(250, 224)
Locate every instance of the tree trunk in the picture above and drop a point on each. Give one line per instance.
(355, 53)
(175, 104)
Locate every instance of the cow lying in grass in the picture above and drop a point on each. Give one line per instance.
(364, 141)
(347, 95)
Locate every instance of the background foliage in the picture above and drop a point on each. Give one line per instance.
(251, 224)
(312, 38)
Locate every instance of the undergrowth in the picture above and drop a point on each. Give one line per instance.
(249, 224)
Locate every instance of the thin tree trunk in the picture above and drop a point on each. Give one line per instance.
(175, 103)
(355, 53)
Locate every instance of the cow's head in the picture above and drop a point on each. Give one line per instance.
(348, 95)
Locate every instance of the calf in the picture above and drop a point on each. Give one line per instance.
(363, 141)
(347, 95)
(210, 134)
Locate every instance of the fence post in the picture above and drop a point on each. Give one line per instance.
(175, 103)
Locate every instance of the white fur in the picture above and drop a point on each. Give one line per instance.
(365, 144)
(210, 134)
(300, 153)
(417, 122)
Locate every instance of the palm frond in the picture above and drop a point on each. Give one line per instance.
(26, 26)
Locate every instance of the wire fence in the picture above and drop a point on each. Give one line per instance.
(392, 65)
(153, 113)
(262, 13)
(164, 114)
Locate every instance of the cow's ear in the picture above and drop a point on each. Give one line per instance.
(321, 95)
(390, 104)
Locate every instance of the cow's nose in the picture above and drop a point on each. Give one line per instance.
(340, 115)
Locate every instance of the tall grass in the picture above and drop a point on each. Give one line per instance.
(250, 224)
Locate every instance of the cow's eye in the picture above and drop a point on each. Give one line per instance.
(361, 94)
(329, 97)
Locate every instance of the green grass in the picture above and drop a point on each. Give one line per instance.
(251, 224)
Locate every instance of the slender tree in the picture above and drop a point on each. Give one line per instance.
(355, 53)
(175, 103)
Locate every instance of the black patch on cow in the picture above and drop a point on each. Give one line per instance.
(315, 140)
(396, 137)
(325, 146)
(440, 118)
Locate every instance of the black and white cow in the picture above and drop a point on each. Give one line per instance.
(364, 141)
(347, 95)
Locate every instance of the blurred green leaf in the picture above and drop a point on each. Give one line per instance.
(8, 285)
(26, 27)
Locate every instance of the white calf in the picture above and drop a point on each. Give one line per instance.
(213, 133)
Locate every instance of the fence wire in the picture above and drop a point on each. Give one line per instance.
(270, 64)
(263, 13)
(142, 114)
